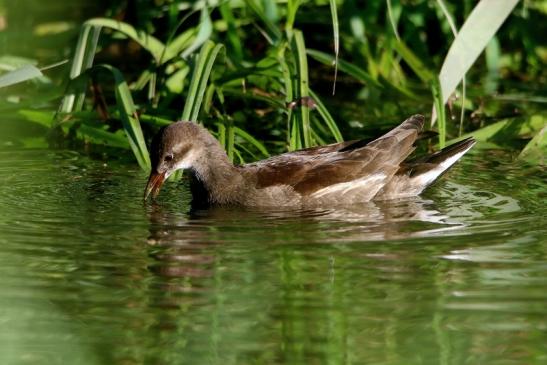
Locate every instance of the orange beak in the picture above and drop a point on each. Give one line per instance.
(155, 181)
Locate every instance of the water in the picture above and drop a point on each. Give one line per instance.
(91, 275)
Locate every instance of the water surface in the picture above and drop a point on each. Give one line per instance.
(91, 275)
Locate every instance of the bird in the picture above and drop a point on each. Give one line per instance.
(337, 174)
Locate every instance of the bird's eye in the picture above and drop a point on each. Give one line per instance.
(168, 158)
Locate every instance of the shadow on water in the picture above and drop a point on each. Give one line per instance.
(89, 272)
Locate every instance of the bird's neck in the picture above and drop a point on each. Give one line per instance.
(221, 180)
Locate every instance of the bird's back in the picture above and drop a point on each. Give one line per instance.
(339, 173)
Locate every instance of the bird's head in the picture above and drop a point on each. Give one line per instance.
(173, 148)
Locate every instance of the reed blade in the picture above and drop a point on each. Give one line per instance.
(327, 118)
(128, 115)
(303, 86)
(203, 65)
(479, 28)
(24, 73)
(204, 33)
(336, 38)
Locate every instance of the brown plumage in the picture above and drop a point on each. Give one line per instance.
(340, 173)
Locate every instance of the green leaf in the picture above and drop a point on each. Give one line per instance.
(536, 150)
(419, 68)
(21, 74)
(507, 129)
(200, 77)
(273, 33)
(204, 33)
(270, 10)
(154, 120)
(100, 136)
(478, 29)
(303, 86)
(393, 19)
(82, 60)
(178, 44)
(327, 118)
(336, 35)
(11, 63)
(440, 110)
(450, 20)
(128, 114)
(233, 38)
(247, 137)
(292, 8)
(493, 62)
(344, 66)
(147, 41)
(230, 142)
(42, 117)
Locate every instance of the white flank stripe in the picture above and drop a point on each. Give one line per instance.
(345, 187)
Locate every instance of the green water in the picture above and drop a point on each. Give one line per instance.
(91, 275)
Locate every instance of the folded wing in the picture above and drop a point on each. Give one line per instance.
(354, 171)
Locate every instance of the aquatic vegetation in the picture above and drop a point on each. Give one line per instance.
(260, 74)
(24, 73)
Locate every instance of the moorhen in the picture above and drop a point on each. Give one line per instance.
(336, 174)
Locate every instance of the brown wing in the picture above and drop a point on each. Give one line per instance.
(312, 169)
(314, 151)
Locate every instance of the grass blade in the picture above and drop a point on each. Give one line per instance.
(336, 34)
(270, 10)
(175, 46)
(76, 69)
(154, 120)
(455, 33)
(230, 141)
(327, 118)
(221, 134)
(145, 40)
(392, 20)
(474, 35)
(440, 110)
(507, 129)
(200, 77)
(101, 136)
(272, 30)
(204, 33)
(421, 70)
(128, 115)
(247, 137)
(289, 94)
(82, 61)
(12, 63)
(22, 74)
(303, 86)
(44, 118)
(233, 38)
(209, 61)
(536, 150)
(344, 66)
(493, 61)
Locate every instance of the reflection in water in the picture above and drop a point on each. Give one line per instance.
(325, 303)
(364, 222)
(456, 276)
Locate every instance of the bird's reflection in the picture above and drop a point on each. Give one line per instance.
(228, 272)
(178, 246)
(185, 241)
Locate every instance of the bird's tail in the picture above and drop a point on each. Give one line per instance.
(431, 167)
(414, 176)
